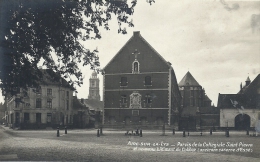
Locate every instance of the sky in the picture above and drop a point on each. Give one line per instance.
(217, 41)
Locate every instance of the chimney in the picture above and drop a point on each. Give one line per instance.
(136, 33)
(241, 86)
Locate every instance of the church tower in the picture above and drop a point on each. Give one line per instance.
(94, 87)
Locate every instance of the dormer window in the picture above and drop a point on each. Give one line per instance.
(135, 67)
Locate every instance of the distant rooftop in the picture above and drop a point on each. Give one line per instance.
(188, 80)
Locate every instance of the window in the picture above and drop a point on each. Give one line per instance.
(38, 103)
(68, 94)
(148, 81)
(123, 101)
(26, 117)
(192, 101)
(49, 115)
(67, 104)
(92, 83)
(38, 90)
(135, 67)
(123, 81)
(49, 92)
(148, 101)
(17, 103)
(191, 93)
(38, 117)
(49, 103)
(135, 112)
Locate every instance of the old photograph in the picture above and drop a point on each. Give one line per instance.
(130, 80)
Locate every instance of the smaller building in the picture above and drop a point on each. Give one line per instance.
(49, 105)
(197, 112)
(95, 108)
(81, 117)
(242, 110)
(2, 113)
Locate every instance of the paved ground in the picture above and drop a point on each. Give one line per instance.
(84, 145)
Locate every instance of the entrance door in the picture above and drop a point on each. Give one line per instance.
(49, 117)
(242, 122)
(38, 118)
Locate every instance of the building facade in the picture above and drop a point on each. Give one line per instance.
(197, 112)
(49, 105)
(2, 112)
(241, 111)
(140, 88)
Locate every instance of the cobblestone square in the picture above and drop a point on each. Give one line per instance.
(84, 145)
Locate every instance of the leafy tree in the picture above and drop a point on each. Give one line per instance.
(52, 31)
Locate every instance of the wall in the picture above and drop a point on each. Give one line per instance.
(228, 115)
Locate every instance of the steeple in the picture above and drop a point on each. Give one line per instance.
(94, 87)
(248, 81)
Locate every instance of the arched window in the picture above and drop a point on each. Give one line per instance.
(135, 67)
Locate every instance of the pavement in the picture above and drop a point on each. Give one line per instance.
(84, 145)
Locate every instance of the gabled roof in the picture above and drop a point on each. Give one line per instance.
(188, 80)
(137, 34)
(51, 78)
(231, 101)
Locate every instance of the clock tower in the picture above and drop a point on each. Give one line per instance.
(94, 87)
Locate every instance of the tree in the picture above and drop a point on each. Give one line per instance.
(52, 31)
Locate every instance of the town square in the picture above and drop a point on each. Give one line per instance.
(114, 145)
(129, 80)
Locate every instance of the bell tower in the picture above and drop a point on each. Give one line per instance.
(94, 87)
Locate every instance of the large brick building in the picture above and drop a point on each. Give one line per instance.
(140, 88)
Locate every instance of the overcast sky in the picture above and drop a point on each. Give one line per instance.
(217, 41)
